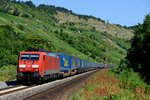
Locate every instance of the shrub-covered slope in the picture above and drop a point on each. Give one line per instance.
(24, 26)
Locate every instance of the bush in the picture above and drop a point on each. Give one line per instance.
(16, 12)
(21, 27)
(7, 73)
(24, 15)
(130, 80)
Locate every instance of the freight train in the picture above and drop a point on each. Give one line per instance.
(39, 66)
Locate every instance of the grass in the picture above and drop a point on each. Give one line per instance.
(106, 85)
(7, 73)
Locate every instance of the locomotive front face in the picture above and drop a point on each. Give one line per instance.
(28, 63)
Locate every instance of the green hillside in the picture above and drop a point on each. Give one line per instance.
(24, 26)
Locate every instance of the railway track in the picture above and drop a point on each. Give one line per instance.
(50, 90)
(56, 92)
(13, 89)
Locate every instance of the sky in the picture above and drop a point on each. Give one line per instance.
(123, 12)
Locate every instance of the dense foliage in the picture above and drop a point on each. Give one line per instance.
(139, 55)
(25, 26)
(8, 45)
(11, 43)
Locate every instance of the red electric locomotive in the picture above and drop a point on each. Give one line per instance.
(37, 66)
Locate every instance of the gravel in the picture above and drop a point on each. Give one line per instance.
(3, 85)
(7, 84)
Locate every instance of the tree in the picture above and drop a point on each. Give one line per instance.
(16, 12)
(139, 53)
(30, 4)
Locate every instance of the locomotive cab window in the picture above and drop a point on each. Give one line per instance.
(34, 57)
(25, 57)
(29, 57)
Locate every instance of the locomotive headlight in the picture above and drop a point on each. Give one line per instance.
(35, 66)
(36, 70)
(22, 66)
(20, 69)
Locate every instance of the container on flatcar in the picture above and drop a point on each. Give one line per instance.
(74, 63)
(82, 64)
(65, 62)
(78, 63)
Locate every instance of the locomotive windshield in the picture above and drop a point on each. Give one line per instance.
(29, 57)
(34, 57)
